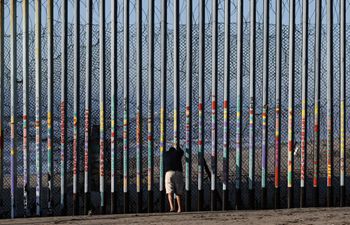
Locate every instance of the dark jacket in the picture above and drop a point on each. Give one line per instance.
(172, 160)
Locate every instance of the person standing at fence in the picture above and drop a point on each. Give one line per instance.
(174, 183)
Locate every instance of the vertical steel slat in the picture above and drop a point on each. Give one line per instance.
(342, 102)
(50, 98)
(26, 171)
(139, 106)
(316, 146)
(102, 106)
(76, 100)
(87, 107)
(226, 104)
(188, 128)
(239, 103)
(150, 123)
(38, 161)
(114, 56)
(329, 103)
(251, 180)
(126, 108)
(2, 76)
(162, 125)
(13, 86)
(214, 67)
(265, 102)
(63, 111)
(201, 67)
(176, 73)
(304, 84)
(291, 101)
(277, 157)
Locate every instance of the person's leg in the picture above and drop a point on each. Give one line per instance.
(171, 201)
(179, 203)
(179, 187)
(169, 187)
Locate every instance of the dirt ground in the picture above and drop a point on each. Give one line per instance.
(285, 216)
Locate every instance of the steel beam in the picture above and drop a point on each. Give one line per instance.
(304, 84)
(277, 166)
(63, 106)
(329, 103)
(251, 180)
(50, 99)
(2, 77)
(139, 105)
(188, 145)
(176, 73)
(201, 101)
(316, 147)
(26, 169)
(114, 81)
(150, 123)
(102, 106)
(87, 123)
(76, 104)
(226, 138)
(265, 102)
(214, 70)
(38, 161)
(239, 104)
(291, 102)
(342, 102)
(163, 78)
(126, 108)
(13, 106)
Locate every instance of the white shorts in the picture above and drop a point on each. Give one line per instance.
(174, 182)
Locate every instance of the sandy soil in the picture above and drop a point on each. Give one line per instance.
(285, 216)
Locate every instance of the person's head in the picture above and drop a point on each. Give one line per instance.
(171, 149)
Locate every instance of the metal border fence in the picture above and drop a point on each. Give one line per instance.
(87, 107)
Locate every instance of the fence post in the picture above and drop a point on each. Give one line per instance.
(76, 103)
(38, 153)
(102, 106)
(139, 106)
(214, 70)
(201, 102)
(329, 103)
(278, 103)
(2, 77)
(126, 107)
(13, 105)
(316, 147)
(291, 102)
(87, 140)
(342, 102)
(63, 111)
(176, 73)
(188, 155)
(239, 104)
(50, 99)
(26, 169)
(251, 180)
(163, 102)
(265, 91)
(114, 95)
(225, 195)
(304, 80)
(150, 123)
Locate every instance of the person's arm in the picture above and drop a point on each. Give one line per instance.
(181, 152)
